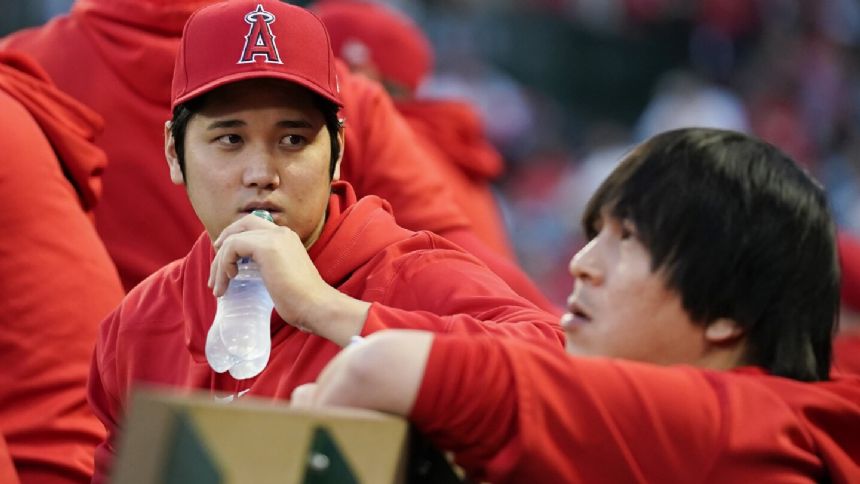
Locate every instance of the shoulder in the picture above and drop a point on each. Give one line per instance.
(158, 297)
(425, 254)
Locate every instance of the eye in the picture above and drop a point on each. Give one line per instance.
(229, 139)
(294, 140)
(593, 227)
(628, 230)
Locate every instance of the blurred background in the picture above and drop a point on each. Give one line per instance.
(565, 87)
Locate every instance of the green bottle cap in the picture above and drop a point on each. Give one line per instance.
(263, 214)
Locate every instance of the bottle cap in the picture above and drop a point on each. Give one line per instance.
(263, 214)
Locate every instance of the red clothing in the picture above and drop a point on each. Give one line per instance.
(58, 281)
(7, 468)
(453, 133)
(117, 57)
(846, 352)
(514, 412)
(846, 345)
(849, 263)
(158, 334)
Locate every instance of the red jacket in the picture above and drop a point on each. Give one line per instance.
(58, 281)
(414, 280)
(521, 413)
(453, 133)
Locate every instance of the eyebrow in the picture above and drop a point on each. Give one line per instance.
(236, 123)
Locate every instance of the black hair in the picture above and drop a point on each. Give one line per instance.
(741, 232)
(182, 114)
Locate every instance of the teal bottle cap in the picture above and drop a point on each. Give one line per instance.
(263, 214)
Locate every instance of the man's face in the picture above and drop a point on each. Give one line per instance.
(258, 144)
(620, 308)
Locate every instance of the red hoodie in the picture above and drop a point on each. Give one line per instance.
(117, 57)
(58, 281)
(7, 467)
(453, 133)
(414, 280)
(522, 413)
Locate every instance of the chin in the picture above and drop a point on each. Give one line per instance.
(574, 349)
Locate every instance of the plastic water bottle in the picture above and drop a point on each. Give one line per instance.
(239, 339)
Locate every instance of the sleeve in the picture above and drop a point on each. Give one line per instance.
(7, 468)
(102, 396)
(382, 157)
(516, 412)
(447, 291)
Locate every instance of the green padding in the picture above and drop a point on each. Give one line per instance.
(188, 460)
(324, 463)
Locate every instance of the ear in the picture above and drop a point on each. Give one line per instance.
(723, 330)
(342, 138)
(170, 154)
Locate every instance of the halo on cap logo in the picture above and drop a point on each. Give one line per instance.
(260, 41)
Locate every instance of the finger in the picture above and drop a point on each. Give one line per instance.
(212, 268)
(248, 222)
(303, 395)
(224, 268)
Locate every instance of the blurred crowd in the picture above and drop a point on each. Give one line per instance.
(786, 71)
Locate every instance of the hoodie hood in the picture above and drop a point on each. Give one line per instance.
(456, 130)
(69, 126)
(355, 231)
(143, 38)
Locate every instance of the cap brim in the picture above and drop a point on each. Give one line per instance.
(242, 76)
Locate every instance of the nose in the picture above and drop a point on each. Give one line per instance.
(261, 170)
(585, 264)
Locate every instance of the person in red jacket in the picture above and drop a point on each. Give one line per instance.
(699, 331)
(58, 281)
(256, 126)
(117, 57)
(378, 42)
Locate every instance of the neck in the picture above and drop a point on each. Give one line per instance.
(723, 357)
(315, 235)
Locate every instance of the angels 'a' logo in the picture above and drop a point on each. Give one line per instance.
(260, 40)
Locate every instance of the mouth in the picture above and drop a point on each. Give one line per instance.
(267, 206)
(576, 315)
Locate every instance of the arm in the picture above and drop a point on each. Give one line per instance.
(301, 296)
(511, 411)
(440, 290)
(448, 291)
(345, 381)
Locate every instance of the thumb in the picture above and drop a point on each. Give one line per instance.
(304, 395)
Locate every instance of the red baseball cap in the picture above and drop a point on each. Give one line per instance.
(397, 47)
(237, 40)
